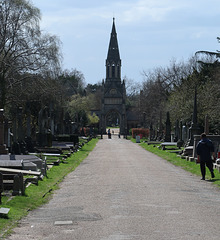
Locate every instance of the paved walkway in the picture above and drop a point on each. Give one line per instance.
(121, 191)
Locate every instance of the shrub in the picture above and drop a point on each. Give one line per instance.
(142, 132)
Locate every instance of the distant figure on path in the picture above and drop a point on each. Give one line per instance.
(205, 151)
(109, 133)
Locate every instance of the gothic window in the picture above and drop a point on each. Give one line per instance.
(113, 70)
(118, 71)
(108, 71)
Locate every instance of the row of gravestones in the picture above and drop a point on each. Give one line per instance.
(12, 179)
(14, 182)
(22, 145)
(183, 134)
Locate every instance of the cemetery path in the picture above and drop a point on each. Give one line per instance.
(121, 191)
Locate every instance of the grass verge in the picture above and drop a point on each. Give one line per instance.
(36, 196)
(191, 167)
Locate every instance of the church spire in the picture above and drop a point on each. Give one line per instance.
(113, 61)
(113, 50)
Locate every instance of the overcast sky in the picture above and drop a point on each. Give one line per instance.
(150, 33)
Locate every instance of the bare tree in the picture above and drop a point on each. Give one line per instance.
(73, 82)
(24, 50)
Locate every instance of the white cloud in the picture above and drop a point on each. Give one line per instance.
(149, 31)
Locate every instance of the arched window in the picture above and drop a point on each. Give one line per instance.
(113, 70)
(108, 71)
(118, 71)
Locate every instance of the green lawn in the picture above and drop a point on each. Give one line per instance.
(35, 196)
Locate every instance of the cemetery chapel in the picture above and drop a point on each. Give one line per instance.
(113, 110)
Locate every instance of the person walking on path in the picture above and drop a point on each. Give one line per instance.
(205, 151)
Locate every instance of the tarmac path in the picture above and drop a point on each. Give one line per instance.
(122, 192)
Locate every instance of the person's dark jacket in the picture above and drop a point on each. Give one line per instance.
(204, 149)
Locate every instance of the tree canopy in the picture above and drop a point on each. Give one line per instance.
(24, 50)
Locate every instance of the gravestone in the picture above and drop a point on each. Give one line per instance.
(43, 124)
(177, 131)
(25, 162)
(168, 129)
(20, 125)
(16, 185)
(3, 149)
(160, 130)
(4, 211)
(180, 141)
(1, 186)
(151, 132)
(194, 128)
(137, 139)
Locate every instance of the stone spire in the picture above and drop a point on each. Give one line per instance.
(113, 50)
(113, 61)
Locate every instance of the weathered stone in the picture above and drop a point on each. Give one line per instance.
(16, 185)
(168, 129)
(3, 149)
(4, 211)
(1, 187)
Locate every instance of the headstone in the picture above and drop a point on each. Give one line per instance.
(151, 132)
(43, 127)
(21, 183)
(137, 139)
(160, 130)
(75, 139)
(168, 129)
(4, 211)
(28, 124)
(20, 126)
(194, 129)
(177, 131)
(1, 187)
(184, 133)
(29, 144)
(16, 148)
(16, 185)
(3, 149)
(180, 141)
